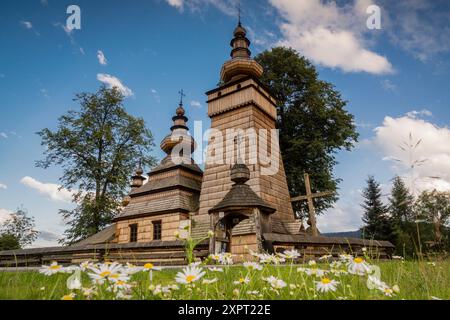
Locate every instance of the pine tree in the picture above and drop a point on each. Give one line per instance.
(376, 219)
(401, 203)
(401, 209)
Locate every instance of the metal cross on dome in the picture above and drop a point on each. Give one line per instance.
(182, 95)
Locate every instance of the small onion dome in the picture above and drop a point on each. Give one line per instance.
(240, 31)
(126, 200)
(240, 173)
(139, 171)
(137, 180)
(180, 111)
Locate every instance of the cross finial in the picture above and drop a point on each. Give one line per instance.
(239, 11)
(181, 92)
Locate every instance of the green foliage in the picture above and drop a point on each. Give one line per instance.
(416, 280)
(401, 210)
(98, 147)
(434, 207)
(312, 120)
(377, 222)
(9, 242)
(18, 230)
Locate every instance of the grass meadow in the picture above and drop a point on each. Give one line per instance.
(411, 280)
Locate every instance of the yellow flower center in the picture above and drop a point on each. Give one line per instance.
(190, 278)
(67, 297)
(148, 266)
(114, 276)
(241, 280)
(55, 267)
(120, 283)
(105, 273)
(358, 260)
(326, 281)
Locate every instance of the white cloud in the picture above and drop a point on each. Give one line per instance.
(176, 3)
(155, 95)
(3, 135)
(422, 113)
(410, 140)
(196, 104)
(329, 35)
(345, 216)
(225, 6)
(51, 190)
(112, 81)
(5, 215)
(3, 186)
(27, 24)
(387, 85)
(419, 26)
(101, 58)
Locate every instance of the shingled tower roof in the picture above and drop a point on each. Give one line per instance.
(181, 177)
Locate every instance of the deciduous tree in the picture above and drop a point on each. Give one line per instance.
(312, 120)
(98, 146)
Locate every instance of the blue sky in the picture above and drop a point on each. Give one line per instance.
(396, 80)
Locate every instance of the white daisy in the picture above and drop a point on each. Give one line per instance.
(209, 281)
(189, 274)
(150, 267)
(326, 285)
(312, 272)
(275, 282)
(132, 269)
(325, 257)
(290, 254)
(105, 271)
(253, 266)
(312, 263)
(53, 268)
(358, 266)
(242, 280)
(345, 257)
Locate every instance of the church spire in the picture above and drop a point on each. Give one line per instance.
(241, 63)
(178, 129)
(137, 180)
(240, 42)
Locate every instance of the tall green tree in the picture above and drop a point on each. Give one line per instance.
(97, 147)
(434, 207)
(18, 230)
(312, 120)
(401, 203)
(401, 209)
(377, 224)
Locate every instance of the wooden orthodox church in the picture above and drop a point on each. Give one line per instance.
(247, 210)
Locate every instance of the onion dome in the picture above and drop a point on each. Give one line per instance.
(179, 132)
(137, 180)
(241, 63)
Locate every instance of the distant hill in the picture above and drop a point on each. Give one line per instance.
(347, 234)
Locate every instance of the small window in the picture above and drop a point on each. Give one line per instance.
(219, 94)
(157, 226)
(239, 86)
(133, 232)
